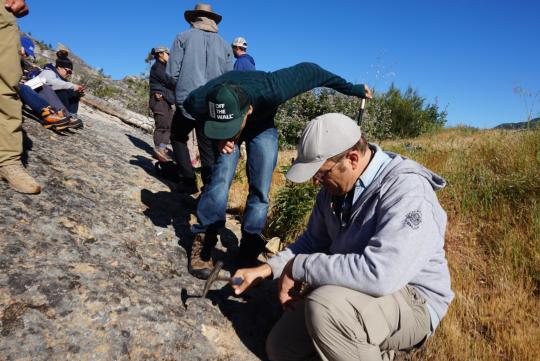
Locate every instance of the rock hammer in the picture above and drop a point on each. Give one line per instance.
(215, 276)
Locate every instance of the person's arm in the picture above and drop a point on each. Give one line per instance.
(303, 77)
(314, 239)
(55, 82)
(174, 65)
(165, 79)
(407, 235)
(169, 81)
(250, 277)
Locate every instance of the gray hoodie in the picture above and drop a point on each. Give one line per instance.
(55, 81)
(395, 237)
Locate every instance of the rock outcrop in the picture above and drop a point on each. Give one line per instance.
(94, 268)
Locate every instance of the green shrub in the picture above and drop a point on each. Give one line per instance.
(388, 115)
(140, 88)
(106, 92)
(290, 211)
(410, 114)
(98, 87)
(293, 115)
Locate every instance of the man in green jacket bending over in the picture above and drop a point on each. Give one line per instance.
(240, 107)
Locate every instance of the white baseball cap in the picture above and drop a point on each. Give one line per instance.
(324, 137)
(240, 41)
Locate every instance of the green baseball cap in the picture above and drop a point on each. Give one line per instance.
(227, 104)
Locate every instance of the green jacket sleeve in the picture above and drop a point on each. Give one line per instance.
(290, 82)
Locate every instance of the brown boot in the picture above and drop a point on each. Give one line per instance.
(19, 179)
(200, 262)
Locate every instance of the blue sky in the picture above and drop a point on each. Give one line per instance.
(465, 55)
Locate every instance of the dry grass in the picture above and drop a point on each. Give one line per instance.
(240, 188)
(492, 241)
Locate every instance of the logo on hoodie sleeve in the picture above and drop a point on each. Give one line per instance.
(413, 219)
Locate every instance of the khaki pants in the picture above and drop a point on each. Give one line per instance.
(336, 323)
(10, 105)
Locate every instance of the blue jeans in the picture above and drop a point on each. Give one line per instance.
(262, 153)
(32, 99)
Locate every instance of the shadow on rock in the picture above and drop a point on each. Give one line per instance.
(251, 316)
(27, 146)
(141, 144)
(169, 176)
(167, 172)
(170, 208)
(228, 254)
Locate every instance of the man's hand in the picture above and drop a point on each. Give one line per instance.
(17, 7)
(367, 91)
(288, 288)
(80, 88)
(226, 146)
(251, 277)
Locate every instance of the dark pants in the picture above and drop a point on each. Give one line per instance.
(70, 98)
(47, 93)
(163, 115)
(181, 127)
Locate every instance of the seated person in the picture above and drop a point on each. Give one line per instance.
(50, 118)
(43, 97)
(57, 76)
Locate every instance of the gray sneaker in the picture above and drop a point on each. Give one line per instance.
(19, 179)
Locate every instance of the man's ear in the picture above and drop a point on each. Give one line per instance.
(354, 157)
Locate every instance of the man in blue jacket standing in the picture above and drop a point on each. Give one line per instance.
(244, 61)
(197, 55)
(371, 264)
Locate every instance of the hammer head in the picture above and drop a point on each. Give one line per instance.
(214, 275)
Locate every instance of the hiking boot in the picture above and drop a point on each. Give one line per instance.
(75, 123)
(200, 261)
(251, 246)
(50, 119)
(187, 186)
(19, 179)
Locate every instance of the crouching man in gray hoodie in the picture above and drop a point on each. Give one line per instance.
(371, 261)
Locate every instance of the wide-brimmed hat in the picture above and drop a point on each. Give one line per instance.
(202, 10)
